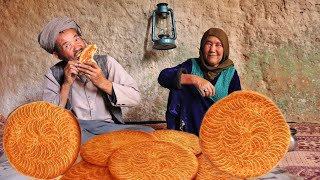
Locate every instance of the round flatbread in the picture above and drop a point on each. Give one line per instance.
(244, 134)
(98, 149)
(208, 171)
(41, 140)
(153, 160)
(87, 171)
(188, 140)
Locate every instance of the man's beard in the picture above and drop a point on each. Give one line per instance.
(63, 58)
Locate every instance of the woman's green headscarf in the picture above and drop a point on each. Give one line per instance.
(211, 72)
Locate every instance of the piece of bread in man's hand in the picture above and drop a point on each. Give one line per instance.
(88, 53)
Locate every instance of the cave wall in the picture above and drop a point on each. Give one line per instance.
(274, 45)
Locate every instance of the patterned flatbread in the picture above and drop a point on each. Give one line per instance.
(87, 171)
(244, 134)
(185, 139)
(153, 160)
(41, 140)
(98, 149)
(208, 171)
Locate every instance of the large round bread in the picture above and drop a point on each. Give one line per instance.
(41, 140)
(153, 160)
(98, 149)
(188, 140)
(244, 134)
(87, 171)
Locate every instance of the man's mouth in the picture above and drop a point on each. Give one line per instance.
(77, 54)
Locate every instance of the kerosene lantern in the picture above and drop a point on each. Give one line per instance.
(163, 28)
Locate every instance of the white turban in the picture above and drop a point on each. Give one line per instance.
(48, 36)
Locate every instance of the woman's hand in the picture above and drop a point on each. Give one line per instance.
(203, 85)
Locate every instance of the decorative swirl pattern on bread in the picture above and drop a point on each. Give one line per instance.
(244, 134)
(208, 171)
(153, 160)
(98, 149)
(188, 140)
(41, 140)
(87, 171)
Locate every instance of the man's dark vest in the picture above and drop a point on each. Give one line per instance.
(58, 73)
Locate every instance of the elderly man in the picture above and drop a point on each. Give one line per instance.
(94, 92)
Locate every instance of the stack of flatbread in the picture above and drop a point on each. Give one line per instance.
(242, 136)
(128, 154)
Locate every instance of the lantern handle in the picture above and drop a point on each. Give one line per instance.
(153, 25)
(173, 24)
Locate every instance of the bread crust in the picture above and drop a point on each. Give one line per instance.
(88, 53)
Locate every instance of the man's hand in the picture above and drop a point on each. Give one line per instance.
(95, 74)
(70, 72)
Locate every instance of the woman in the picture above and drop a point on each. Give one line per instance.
(198, 83)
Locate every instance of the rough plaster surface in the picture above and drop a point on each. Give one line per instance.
(274, 44)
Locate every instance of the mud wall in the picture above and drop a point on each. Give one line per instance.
(274, 44)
